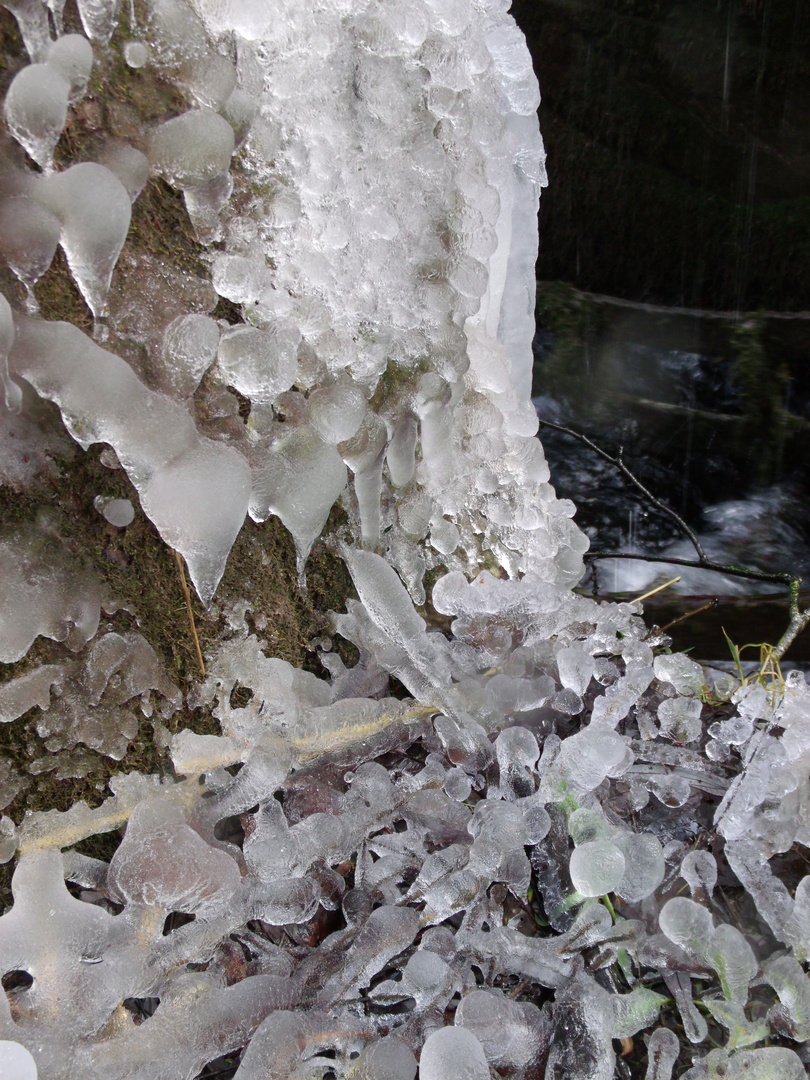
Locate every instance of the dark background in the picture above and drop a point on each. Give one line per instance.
(678, 139)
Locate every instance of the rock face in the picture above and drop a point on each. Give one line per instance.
(331, 874)
(678, 140)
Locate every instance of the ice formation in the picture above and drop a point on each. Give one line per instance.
(468, 854)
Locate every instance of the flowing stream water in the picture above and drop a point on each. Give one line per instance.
(679, 418)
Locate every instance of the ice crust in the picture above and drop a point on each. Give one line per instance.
(302, 894)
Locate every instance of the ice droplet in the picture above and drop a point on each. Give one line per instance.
(687, 924)
(129, 165)
(453, 1053)
(12, 389)
(733, 959)
(679, 718)
(35, 109)
(190, 345)
(72, 57)
(662, 1053)
(684, 674)
(119, 512)
(29, 235)
(388, 1058)
(644, 865)
(510, 1042)
(16, 1063)
(261, 364)
(95, 210)
(699, 871)
(192, 149)
(136, 54)
(596, 868)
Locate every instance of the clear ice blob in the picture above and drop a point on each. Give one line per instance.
(162, 862)
(35, 109)
(644, 865)
(681, 672)
(510, 1033)
(576, 668)
(791, 1016)
(13, 392)
(453, 1053)
(94, 209)
(597, 867)
(190, 344)
(699, 871)
(765, 1063)
(517, 752)
(679, 719)
(261, 364)
(129, 165)
(662, 1053)
(192, 149)
(733, 960)
(136, 54)
(16, 1063)
(336, 408)
(118, 512)
(299, 480)
(29, 235)
(99, 18)
(687, 924)
(388, 1058)
(72, 57)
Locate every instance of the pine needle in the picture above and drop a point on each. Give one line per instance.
(187, 593)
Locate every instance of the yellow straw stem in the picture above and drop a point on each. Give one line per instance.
(652, 592)
(187, 594)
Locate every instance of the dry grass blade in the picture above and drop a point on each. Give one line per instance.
(187, 593)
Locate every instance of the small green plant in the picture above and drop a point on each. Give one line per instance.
(768, 674)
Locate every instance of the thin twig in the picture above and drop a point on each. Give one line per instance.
(698, 564)
(179, 559)
(689, 614)
(798, 619)
(619, 464)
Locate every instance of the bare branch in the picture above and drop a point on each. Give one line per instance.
(648, 495)
(799, 620)
(698, 564)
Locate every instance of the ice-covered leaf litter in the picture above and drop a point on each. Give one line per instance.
(506, 837)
